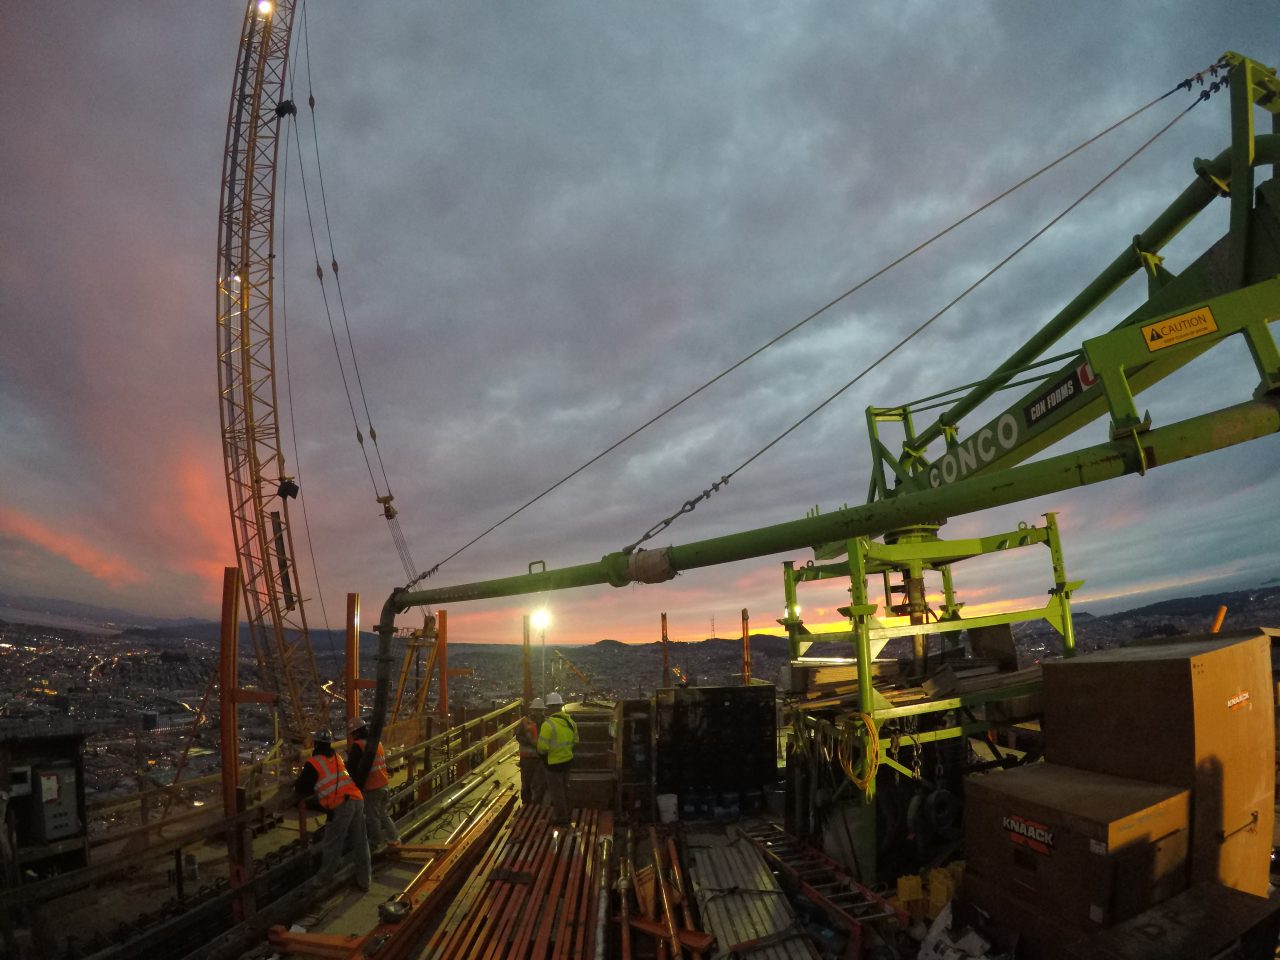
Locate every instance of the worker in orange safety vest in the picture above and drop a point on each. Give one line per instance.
(532, 781)
(378, 823)
(325, 777)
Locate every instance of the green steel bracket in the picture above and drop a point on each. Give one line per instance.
(1157, 276)
(909, 553)
(1064, 401)
(1010, 692)
(892, 764)
(1117, 356)
(903, 467)
(964, 729)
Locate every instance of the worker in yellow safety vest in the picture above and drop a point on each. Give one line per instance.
(325, 777)
(532, 785)
(377, 822)
(556, 739)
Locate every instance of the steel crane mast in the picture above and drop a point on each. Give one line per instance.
(258, 487)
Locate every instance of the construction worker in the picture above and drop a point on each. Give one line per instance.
(325, 777)
(377, 822)
(532, 786)
(556, 739)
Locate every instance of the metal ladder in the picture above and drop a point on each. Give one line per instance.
(823, 881)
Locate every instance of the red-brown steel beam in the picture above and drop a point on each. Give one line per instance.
(487, 910)
(578, 865)
(535, 842)
(442, 660)
(624, 895)
(452, 936)
(527, 666)
(239, 842)
(677, 876)
(666, 663)
(659, 874)
(228, 649)
(542, 865)
(352, 684)
(564, 856)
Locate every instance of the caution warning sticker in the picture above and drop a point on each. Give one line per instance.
(1179, 329)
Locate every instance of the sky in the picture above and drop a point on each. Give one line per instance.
(554, 219)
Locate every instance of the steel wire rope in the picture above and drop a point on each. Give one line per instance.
(389, 512)
(689, 505)
(288, 379)
(1185, 84)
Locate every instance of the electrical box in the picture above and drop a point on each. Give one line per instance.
(45, 777)
(58, 817)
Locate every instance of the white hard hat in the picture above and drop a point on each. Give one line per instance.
(555, 700)
(537, 704)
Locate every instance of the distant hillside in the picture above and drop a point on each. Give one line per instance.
(86, 612)
(1204, 606)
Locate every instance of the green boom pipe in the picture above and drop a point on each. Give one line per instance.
(1106, 461)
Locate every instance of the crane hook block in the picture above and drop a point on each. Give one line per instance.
(286, 108)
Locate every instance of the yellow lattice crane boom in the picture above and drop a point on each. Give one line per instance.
(258, 486)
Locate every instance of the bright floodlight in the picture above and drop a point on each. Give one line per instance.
(541, 618)
(264, 7)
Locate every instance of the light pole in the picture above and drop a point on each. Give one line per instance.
(540, 620)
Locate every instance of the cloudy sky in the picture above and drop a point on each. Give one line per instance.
(554, 219)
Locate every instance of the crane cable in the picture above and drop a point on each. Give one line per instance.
(288, 379)
(689, 505)
(1185, 84)
(385, 499)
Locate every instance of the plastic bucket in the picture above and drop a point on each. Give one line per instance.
(667, 808)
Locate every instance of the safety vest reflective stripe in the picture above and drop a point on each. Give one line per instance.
(556, 738)
(378, 777)
(334, 784)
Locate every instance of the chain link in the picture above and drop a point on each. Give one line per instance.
(686, 507)
(912, 726)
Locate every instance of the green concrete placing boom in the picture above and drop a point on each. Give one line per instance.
(930, 474)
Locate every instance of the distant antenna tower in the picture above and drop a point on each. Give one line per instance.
(713, 626)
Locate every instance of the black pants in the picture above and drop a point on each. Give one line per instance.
(558, 790)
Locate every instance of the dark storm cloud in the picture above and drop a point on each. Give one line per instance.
(552, 221)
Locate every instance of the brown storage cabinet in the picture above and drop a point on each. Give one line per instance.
(1088, 849)
(1033, 932)
(1197, 714)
